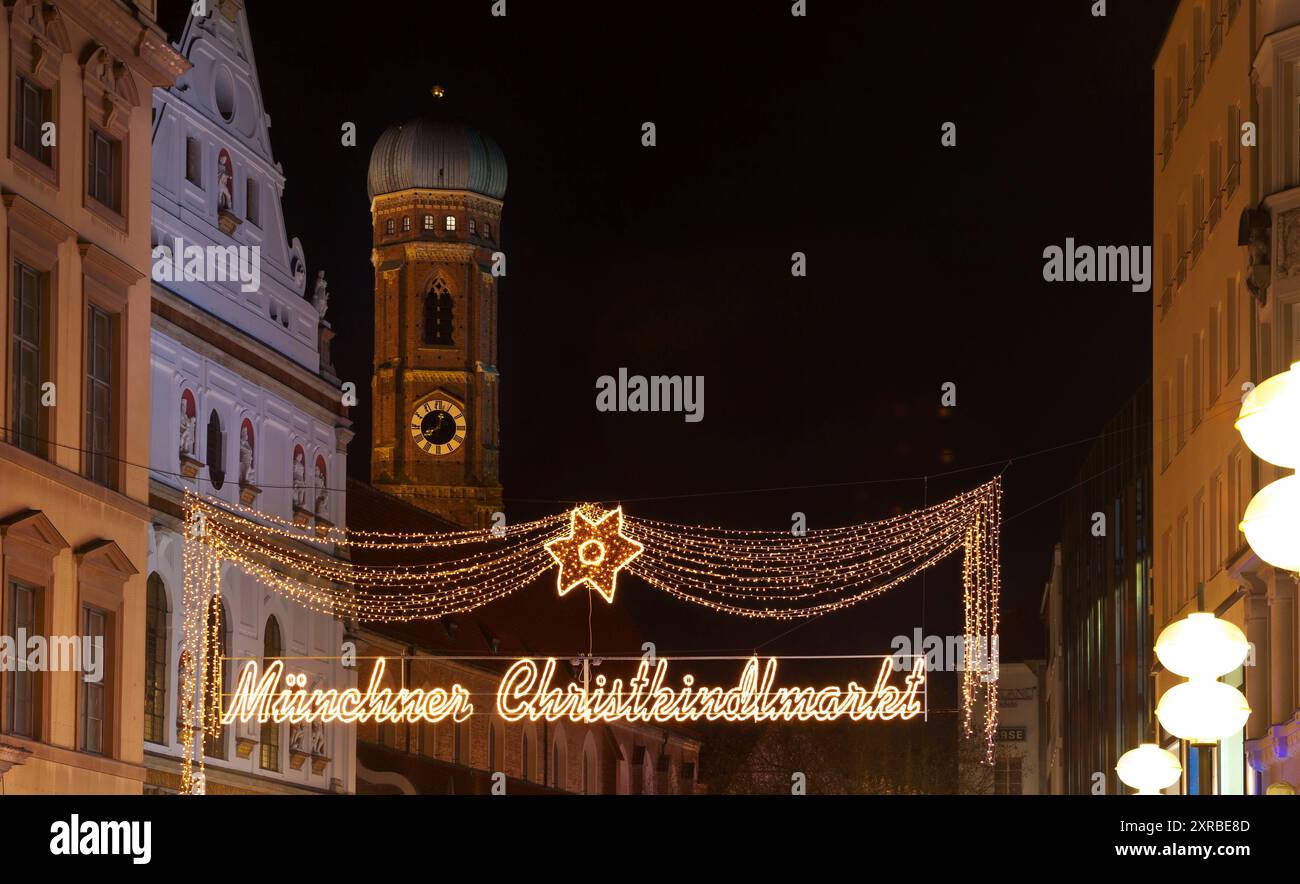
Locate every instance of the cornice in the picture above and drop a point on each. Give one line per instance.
(140, 43)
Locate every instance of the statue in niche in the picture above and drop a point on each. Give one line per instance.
(225, 182)
(320, 299)
(246, 473)
(318, 738)
(188, 427)
(297, 738)
(299, 480)
(322, 497)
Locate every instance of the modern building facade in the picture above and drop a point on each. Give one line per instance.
(246, 411)
(1098, 609)
(1226, 224)
(74, 515)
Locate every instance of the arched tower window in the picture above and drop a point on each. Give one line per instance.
(155, 661)
(216, 452)
(272, 649)
(438, 314)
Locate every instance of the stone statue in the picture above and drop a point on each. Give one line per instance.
(322, 498)
(245, 456)
(299, 481)
(318, 739)
(188, 425)
(320, 299)
(297, 738)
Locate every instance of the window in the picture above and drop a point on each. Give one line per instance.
(406, 224)
(586, 774)
(438, 315)
(472, 227)
(155, 661)
(272, 650)
(94, 694)
(389, 227)
(252, 207)
(450, 223)
(104, 172)
(1196, 379)
(100, 461)
(1006, 776)
(194, 161)
(32, 112)
(1230, 333)
(216, 452)
(428, 222)
(1213, 383)
(525, 758)
(1214, 528)
(22, 688)
(494, 746)
(1181, 403)
(1165, 430)
(458, 743)
(28, 418)
(487, 230)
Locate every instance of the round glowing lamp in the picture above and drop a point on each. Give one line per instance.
(1201, 646)
(1203, 711)
(1269, 422)
(1281, 787)
(1149, 769)
(1272, 523)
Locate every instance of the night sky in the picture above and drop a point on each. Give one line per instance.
(775, 134)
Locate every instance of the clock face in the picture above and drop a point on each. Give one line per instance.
(438, 427)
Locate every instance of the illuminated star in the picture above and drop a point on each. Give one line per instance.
(594, 551)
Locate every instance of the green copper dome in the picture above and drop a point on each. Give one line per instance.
(437, 155)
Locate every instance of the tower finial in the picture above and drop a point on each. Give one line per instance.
(438, 91)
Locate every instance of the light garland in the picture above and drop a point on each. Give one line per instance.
(759, 574)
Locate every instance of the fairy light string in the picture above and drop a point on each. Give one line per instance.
(757, 574)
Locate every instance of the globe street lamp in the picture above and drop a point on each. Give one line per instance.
(1269, 424)
(1149, 769)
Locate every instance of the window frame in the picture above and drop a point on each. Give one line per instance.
(157, 623)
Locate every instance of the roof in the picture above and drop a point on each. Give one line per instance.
(436, 155)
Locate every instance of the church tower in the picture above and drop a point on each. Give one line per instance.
(436, 190)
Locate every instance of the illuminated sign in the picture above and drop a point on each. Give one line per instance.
(527, 691)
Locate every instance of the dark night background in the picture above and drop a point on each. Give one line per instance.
(775, 134)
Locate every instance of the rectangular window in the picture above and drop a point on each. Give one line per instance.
(29, 322)
(428, 222)
(100, 461)
(1181, 402)
(252, 206)
(94, 695)
(450, 223)
(1006, 776)
(194, 161)
(1196, 379)
(1230, 330)
(1233, 137)
(1213, 383)
(32, 112)
(22, 688)
(104, 170)
(472, 226)
(1184, 553)
(1198, 539)
(1214, 527)
(1166, 575)
(406, 224)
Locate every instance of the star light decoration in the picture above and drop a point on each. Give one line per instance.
(594, 551)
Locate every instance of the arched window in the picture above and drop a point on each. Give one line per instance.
(496, 747)
(559, 761)
(459, 743)
(526, 757)
(216, 452)
(590, 766)
(272, 650)
(438, 315)
(155, 661)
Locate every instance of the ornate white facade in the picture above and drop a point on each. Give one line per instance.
(241, 411)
